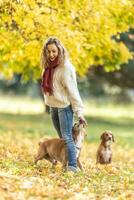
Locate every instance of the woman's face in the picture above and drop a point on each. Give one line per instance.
(52, 51)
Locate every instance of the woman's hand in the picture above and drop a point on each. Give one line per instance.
(82, 120)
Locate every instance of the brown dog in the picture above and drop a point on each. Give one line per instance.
(104, 152)
(55, 149)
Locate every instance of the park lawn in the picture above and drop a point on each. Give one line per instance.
(20, 179)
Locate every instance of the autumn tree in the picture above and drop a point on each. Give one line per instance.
(87, 29)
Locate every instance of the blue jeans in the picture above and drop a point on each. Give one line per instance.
(62, 119)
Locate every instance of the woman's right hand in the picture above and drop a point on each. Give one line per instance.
(82, 120)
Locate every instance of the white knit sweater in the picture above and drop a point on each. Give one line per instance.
(65, 90)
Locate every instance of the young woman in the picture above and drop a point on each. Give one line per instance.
(61, 94)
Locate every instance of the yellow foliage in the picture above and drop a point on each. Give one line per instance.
(125, 54)
(84, 28)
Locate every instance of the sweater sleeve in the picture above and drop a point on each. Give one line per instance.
(70, 83)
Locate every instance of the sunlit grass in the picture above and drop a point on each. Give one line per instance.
(26, 105)
(109, 109)
(20, 105)
(27, 116)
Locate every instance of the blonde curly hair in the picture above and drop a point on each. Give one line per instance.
(62, 53)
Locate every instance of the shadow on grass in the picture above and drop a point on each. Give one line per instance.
(29, 125)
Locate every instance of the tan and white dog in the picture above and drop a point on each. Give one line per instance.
(55, 149)
(104, 152)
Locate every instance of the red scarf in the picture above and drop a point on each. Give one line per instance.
(47, 78)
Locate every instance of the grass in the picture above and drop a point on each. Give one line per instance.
(20, 131)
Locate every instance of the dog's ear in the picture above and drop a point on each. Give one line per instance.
(102, 136)
(85, 133)
(113, 138)
(73, 130)
(74, 135)
(74, 126)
